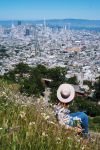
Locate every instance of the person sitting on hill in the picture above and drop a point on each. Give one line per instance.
(77, 121)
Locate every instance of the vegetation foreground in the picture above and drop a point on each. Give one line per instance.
(26, 124)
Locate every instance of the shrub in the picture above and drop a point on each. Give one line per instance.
(33, 85)
(97, 90)
(73, 80)
(83, 104)
(96, 120)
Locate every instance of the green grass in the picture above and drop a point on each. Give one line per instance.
(26, 126)
(94, 124)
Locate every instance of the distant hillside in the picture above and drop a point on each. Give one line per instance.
(26, 123)
(74, 23)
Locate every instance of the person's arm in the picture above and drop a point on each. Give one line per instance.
(63, 122)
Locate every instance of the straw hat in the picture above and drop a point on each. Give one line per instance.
(65, 93)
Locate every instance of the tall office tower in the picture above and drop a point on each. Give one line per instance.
(12, 26)
(37, 47)
(44, 23)
(27, 32)
(19, 23)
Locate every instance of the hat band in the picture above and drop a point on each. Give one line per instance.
(64, 96)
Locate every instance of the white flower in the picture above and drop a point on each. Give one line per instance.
(83, 148)
(69, 138)
(52, 122)
(51, 104)
(1, 128)
(22, 114)
(44, 134)
(78, 140)
(46, 117)
(4, 93)
(58, 140)
(31, 123)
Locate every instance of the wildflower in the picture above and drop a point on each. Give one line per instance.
(41, 108)
(22, 114)
(46, 117)
(51, 104)
(51, 122)
(4, 93)
(58, 140)
(83, 148)
(44, 134)
(69, 138)
(31, 123)
(78, 140)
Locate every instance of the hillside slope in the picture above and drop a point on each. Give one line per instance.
(26, 123)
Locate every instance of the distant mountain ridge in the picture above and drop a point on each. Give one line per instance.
(76, 22)
(84, 23)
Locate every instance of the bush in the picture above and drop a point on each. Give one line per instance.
(73, 80)
(33, 85)
(97, 90)
(96, 120)
(22, 68)
(83, 104)
(10, 76)
(89, 83)
(94, 124)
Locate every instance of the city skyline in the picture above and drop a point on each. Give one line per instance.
(49, 9)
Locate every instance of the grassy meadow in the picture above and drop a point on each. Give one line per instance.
(26, 124)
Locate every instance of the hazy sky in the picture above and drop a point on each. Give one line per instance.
(39, 9)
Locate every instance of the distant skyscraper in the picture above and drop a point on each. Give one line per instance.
(13, 26)
(65, 27)
(27, 32)
(19, 23)
(44, 23)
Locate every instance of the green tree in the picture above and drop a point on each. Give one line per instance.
(89, 83)
(97, 90)
(43, 70)
(86, 105)
(22, 68)
(10, 76)
(33, 85)
(58, 76)
(73, 80)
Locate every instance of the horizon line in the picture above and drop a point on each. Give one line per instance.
(1, 19)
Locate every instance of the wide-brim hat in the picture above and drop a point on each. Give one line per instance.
(65, 93)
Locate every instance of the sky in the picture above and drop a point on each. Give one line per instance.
(49, 9)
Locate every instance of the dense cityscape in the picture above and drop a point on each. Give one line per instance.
(77, 50)
(50, 74)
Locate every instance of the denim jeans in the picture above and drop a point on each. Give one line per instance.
(84, 119)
